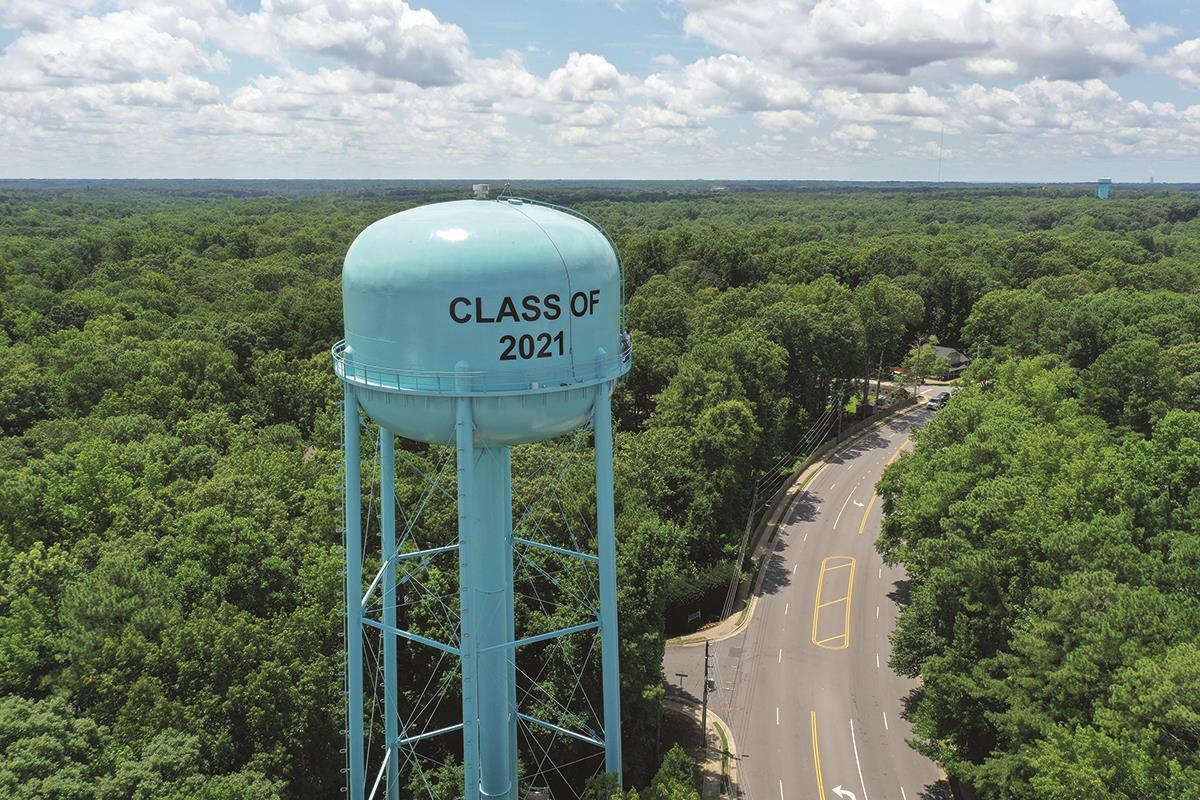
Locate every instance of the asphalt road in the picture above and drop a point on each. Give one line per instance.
(815, 709)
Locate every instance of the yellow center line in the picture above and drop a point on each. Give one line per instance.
(817, 756)
(899, 450)
(863, 525)
(849, 592)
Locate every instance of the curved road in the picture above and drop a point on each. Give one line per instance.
(806, 687)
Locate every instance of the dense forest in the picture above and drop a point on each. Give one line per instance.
(170, 564)
(1049, 520)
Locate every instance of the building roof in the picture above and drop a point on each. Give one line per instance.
(955, 357)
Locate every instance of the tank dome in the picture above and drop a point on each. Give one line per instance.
(512, 303)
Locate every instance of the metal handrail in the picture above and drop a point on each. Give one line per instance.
(469, 383)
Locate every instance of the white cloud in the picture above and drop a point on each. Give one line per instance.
(865, 41)
(1154, 32)
(1182, 62)
(1075, 118)
(855, 133)
(35, 15)
(788, 120)
(116, 47)
(585, 76)
(991, 67)
(388, 84)
(888, 107)
(724, 84)
(386, 37)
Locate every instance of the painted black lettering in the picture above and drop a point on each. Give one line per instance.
(508, 310)
(479, 317)
(553, 310)
(511, 341)
(454, 304)
(579, 302)
(532, 312)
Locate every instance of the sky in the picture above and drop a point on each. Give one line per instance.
(956, 90)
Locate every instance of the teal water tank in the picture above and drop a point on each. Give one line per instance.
(513, 303)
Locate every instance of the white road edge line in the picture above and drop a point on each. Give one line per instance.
(857, 763)
(885, 725)
(781, 789)
(786, 606)
(877, 661)
(876, 612)
(781, 655)
(902, 794)
(880, 575)
(776, 715)
(802, 541)
(839, 516)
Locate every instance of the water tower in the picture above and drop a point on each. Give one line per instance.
(480, 324)
(1102, 187)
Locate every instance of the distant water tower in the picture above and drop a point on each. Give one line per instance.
(1102, 187)
(482, 324)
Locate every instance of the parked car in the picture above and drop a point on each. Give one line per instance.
(938, 400)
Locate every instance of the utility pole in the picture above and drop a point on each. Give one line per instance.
(879, 376)
(841, 407)
(917, 367)
(704, 705)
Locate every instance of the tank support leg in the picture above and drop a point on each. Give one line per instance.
(606, 540)
(510, 626)
(354, 630)
(391, 711)
(464, 431)
(492, 611)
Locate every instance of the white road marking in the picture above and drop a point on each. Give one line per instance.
(860, 505)
(876, 612)
(843, 793)
(857, 763)
(877, 661)
(880, 575)
(777, 715)
(902, 794)
(781, 655)
(802, 541)
(781, 789)
(785, 608)
(839, 516)
(831, 488)
(885, 725)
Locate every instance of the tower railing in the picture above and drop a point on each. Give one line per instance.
(575, 374)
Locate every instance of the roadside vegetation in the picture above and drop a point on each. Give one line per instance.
(170, 562)
(1049, 520)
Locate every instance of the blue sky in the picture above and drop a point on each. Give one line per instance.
(1023, 90)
